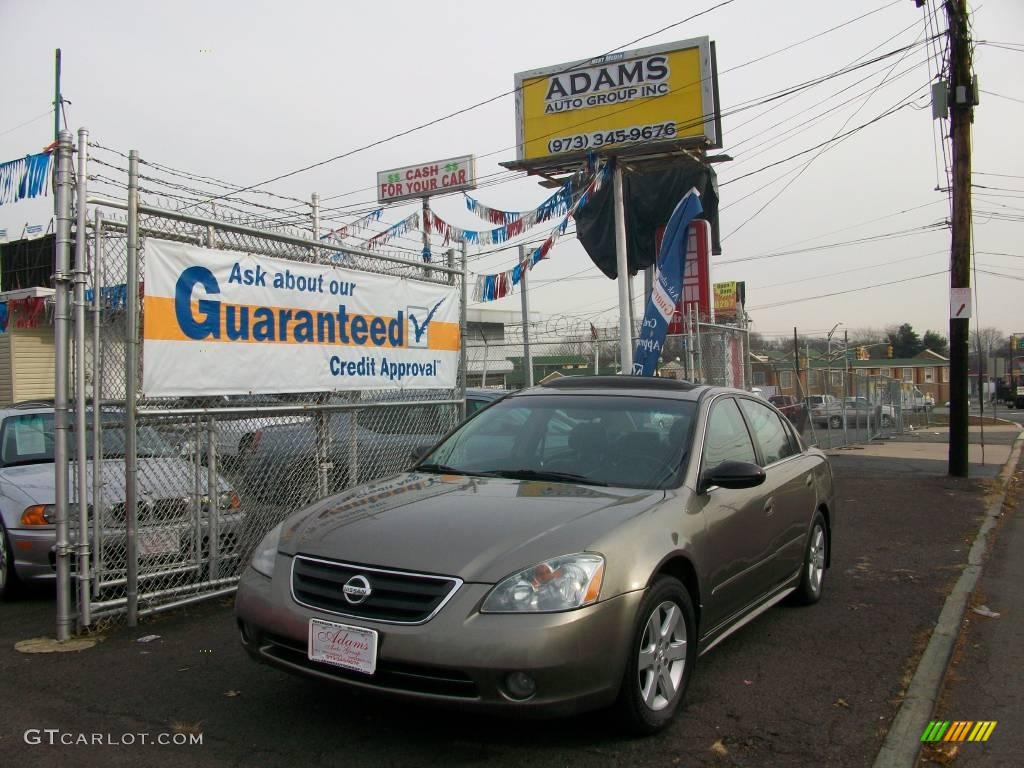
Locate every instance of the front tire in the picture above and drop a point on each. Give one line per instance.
(835, 422)
(812, 573)
(8, 577)
(661, 658)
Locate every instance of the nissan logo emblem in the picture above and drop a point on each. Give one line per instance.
(356, 590)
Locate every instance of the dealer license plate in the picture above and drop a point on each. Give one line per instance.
(343, 645)
(158, 543)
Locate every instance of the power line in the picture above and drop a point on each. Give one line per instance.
(849, 290)
(28, 122)
(464, 110)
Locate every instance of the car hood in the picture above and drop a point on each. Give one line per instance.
(157, 478)
(479, 529)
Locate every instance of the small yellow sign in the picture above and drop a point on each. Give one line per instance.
(647, 96)
(725, 299)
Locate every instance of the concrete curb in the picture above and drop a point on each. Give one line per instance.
(903, 742)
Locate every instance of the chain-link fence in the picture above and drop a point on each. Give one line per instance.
(179, 491)
(844, 407)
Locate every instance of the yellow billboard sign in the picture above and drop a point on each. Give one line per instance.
(725, 299)
(636, 99)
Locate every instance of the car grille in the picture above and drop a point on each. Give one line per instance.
(396, 597)
(392, 676)
(153, 511)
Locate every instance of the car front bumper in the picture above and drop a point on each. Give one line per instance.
(460, 656)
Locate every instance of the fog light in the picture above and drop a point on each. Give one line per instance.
(520, 685)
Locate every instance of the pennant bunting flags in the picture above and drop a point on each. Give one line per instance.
(497, 286)
(356, 226)
(556, 205)
(407, 224)
(26, 177)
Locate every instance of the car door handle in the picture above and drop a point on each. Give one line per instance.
(808, 481)
(769, 508)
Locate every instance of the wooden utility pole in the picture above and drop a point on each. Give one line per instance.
(961, 105)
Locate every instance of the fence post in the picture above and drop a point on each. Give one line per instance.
(353, 448)
(213, 496)
(131, 365)
(97, 394)
(323, 452)
(525, 295)
(463, 295)
(62, 243)
(81, 452)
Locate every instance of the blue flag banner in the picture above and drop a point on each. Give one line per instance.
(25, 177)
(668, 285)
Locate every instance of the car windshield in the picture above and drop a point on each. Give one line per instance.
(632, 442)
(29, 439)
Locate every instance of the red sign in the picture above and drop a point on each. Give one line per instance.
(696, 276)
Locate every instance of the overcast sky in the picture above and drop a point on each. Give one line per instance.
(247, 91)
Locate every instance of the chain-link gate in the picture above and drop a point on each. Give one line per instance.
(179, 491)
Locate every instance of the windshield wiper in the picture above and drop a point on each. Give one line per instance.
(540, 474)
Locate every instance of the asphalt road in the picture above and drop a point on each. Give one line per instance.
(800, 686)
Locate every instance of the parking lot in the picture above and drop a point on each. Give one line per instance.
(799, 686)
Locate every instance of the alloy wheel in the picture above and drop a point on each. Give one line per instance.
(662, 658)
(816, 559)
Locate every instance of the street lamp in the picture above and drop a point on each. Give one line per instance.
(828, 355)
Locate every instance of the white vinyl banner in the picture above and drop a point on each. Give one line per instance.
(221, 322)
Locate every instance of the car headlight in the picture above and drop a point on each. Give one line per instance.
(559, 584)
(38, 514)
(226, 500)
(266, 553)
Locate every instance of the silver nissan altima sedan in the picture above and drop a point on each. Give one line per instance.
(575, 545)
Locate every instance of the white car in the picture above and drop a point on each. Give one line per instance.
(168, 523)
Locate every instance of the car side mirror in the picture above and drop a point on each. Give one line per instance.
(733, 474)
(418, 452)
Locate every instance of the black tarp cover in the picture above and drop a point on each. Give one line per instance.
(649, 199)
(27, 263)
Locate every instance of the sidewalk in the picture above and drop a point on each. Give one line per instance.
(985, 680)
(926, 450)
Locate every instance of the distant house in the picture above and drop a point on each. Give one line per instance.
(927, 371)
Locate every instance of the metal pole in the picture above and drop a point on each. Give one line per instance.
(81, 452)
(97, 394)
(463, 328)
(846, 383)
(315, 203)
(57, 102)
(213, 494)
(426, 236)
(691, 360)
(525, 295)
(597, 356)
(622, 265)
(62, 253)
(961, 117)
(131, 372)
(699, 352)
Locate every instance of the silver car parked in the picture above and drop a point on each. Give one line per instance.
(166, 486)
(576, 545)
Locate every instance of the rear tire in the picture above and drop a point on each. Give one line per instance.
(9, 583)
(835, 422)
(816, 555)
(661, 658)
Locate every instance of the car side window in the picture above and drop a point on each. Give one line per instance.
(472, 406)
(769, 432)
(727, 438)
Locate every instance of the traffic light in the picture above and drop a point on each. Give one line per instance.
(1013, 343)
(888, 351)
(862, 353)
